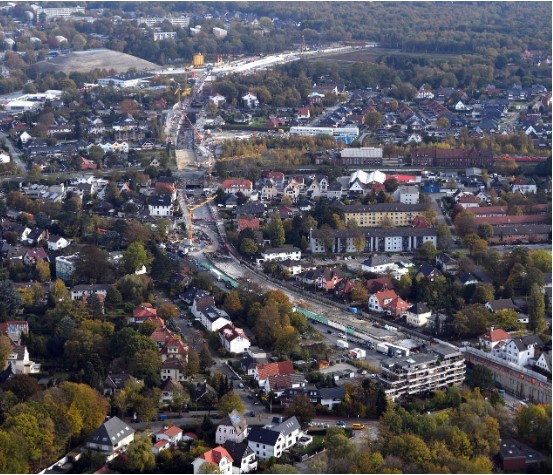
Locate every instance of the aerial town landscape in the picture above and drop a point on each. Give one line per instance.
(275, 237)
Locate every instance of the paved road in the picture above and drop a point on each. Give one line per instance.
(13, 152)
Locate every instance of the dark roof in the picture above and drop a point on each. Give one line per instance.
(502, 304)
(288, 426)
(379, 232)
(237, 451)
(427, 269)
(377, 260)
(160, 200)
(418, 308)
(511, 448)
(111, 432)
(263, 436)
(332, 393)
(521, 229)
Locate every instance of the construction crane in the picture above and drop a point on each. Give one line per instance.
(190, 211)
(199, 137)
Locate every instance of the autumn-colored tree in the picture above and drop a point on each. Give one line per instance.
(359, 293)
(167, 311)
(232, 303)
(302, 408)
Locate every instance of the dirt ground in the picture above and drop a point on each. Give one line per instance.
(185, 159)
(83, 61)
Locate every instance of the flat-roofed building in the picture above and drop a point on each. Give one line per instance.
(440, 367)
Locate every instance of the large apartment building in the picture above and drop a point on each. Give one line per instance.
(395, 214)
(450, 158)
(392, 239)
(440, 367)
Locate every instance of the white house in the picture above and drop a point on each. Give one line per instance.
(418, 315)
(518, 350)
(250, 100)
(4, 157)
(233, 339)
(407, 194)
(211, 317)
(272, 442)
(544, 361)
(55, 243)
(232, 428)
(20, 362)
(493, 338)
(218, 457)
(378, 264)
(235, 185)
(281, 254)
(243, 456)
(172, 434)
(379, 300)
(112, 437)
(160, 205)
(79, 291)
(524, 186)
(217, 99)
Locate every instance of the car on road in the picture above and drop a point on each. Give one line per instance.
(252, 414)
(357, 426)
(241, 385)
(228, 285)
(329, 332)
(341, 424)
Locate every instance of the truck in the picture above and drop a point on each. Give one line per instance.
(382, 348)
(342, 344)
(358, 354)
(215, 273)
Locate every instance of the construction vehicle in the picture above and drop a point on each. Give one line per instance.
(190, 211)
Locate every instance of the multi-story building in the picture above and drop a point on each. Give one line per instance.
(340, 134)
(375, 240)
(125, 80)
(450, 158)
(164, 35)
(281, 254)
(180, 22)
(395, 214)
(361, 156)
(58, 12)
(65, 266)
(440, 367)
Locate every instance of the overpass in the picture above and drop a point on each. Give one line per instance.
(520, 382)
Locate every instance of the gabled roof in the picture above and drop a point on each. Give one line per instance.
(261, 435)
(238, 451)
(377, 260)
(216, 455)
(419, 308)
(171, 431)
(264, 370)
(497, 334)
(235, 420)
(384, 295)
(288, 426)
(111, 432)
(502, 304)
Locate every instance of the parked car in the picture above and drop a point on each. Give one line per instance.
(341, 424)
(357, 426)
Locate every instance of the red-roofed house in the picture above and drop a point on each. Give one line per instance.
(379, 301)
(218, 457)
(248, 223)
(420, 222)
(381, 283)
(303, 113)
(142, 313)
(234, 185)
(279, 382)
(397, 307)
(493, 337)
(85, 164)
(160, 446)
(161, 336)
(164, 188)
(402, 178)
(171, 434)
(468, 201)
(174, 348)
(233, 339)
(264, 370)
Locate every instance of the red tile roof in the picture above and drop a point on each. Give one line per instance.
(171, 431)
(495, 335)
(383, 295)
(248, 223)
(264, 370)
(216, 455)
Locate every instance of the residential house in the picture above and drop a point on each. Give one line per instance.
(318, 187)
(292, 190)
(233, 427)
(524, 186)
(20, 361)
(468, 201)
(466, 278)
(141, 313)
(446, 263)
(290, 266)
(544, 361)
(243, 457)
(250, 100)
(264, 370)
(233, 339)
(380, 283)
(418, 315)
(428, 272)
(174, 348)
(493, 337)
(378, 264)
(519, 350)
(278, 383)
(160, 205)
(500, 304)
(281, 254)
(36, 235)
(169, 389)
(334, 191)
(32, 256)
(248, 223)
(14, 329)
(272, 442)
(211, 317)
(172, 434)
(172, 368)
(78, 291)
(407, 194)
(399, 214)
(161, 336)
(328, 278)
(65, 266)
(111, 438)
(235, 185)
(114, 383)
(387, 301)
(56, 243)
(160, 446)
(218, 457)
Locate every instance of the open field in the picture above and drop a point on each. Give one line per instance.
(83, 61)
